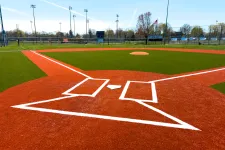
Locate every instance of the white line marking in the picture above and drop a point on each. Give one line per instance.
(151, 85)
(87, 95)
(62, 65)
(100, 88)
(122, 96)
(182, 126)
(188, 75)
(154, 93)
(168, 116)
(45, 101)
(74, 87)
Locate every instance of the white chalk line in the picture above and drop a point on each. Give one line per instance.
(188, 75)
(182, 123)
(151, 85)
(105, 117)
(68, 92)
(62, 65)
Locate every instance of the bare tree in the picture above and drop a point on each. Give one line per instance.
(186, 29)
(144, 24)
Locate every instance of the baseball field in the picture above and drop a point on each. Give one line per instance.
(106, 97)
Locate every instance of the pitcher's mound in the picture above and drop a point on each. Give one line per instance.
(139, 53)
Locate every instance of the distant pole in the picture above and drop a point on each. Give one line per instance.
(60, 27)
(166, 21)
(70, 8)
(88, 27)
(31, 23)
(17, 29)
(86, 11)
(34, 6)
(74, 16)
(117, 26)
(3, 31)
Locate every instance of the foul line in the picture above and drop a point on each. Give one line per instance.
(188, 75)
(62, 65)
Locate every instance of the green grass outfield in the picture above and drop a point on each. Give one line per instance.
(15, 69)
(220, 87)
(164, 62)
(31, 46)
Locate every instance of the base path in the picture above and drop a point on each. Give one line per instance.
(74, 109)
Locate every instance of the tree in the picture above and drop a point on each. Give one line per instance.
(59, 34)
(217, 30)
(144, 24)
(196, 31)
(162, 28)
(77, 36)
(130, 34)
(110, 33)
(186, 29)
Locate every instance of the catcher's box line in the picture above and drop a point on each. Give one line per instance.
(180, 125)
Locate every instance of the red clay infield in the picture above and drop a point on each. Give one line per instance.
(74, 109)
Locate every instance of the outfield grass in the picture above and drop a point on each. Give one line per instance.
(31, 46)
(220, 87)
(16, 69)
(158, 61)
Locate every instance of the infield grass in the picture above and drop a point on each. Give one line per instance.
(220, 87)
(164, 62)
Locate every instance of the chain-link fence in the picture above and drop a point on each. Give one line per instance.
(201, 35)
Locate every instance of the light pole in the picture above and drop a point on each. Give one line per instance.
(167, 14)
(74, 16)
(60, 26)
(31, 23)
(34, 6)
(117, 25)
(86, 11)
(70, 32)
(88, 27)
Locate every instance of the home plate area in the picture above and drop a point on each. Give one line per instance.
(100, 99)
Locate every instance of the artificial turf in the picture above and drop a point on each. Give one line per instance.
(220, 87)
(164, 62)
(16, 69)
(39, 46)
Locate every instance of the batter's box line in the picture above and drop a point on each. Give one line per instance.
(153, 88)
(82, 82)
(180, 125)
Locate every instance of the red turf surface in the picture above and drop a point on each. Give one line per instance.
(189, 99)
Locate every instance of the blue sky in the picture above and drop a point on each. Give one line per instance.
(102, 13)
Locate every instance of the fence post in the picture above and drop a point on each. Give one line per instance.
(221, 30)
